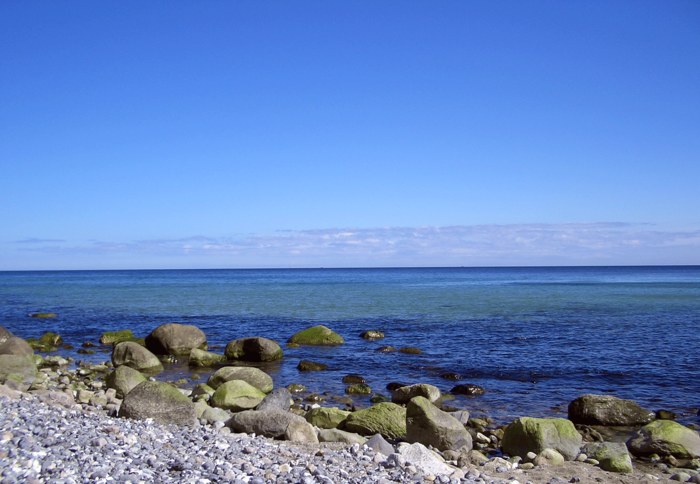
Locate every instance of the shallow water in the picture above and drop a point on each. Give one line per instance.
(535, 338)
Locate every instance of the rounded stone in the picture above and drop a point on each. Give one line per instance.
(253, 349)
(175, 339)
(317, 335)
(135, 356)
(253, 376)
(159, 401)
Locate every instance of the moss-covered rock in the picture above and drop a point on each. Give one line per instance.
(406, 393)
(124, 379)
(358, 389)
(307, 365)
(135, 356)
(326, 417)
(372, 334)
(253, 376)
(114, 337)
(205, 359)
(162, 402)
(665, 437)
(611, 456)
(47, 342)
(236, 395)
(528, 434)
(254, 349)
(317, 335)
(175, 339)
(387, 419)
(41, 315)
(410, 350)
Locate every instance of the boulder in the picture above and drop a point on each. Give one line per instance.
(467, 389)
(15, 346)
(358, 389)
(611, 456)
(253, 376)
(410, 350)
(213, 415)
(236, 395)
(608, 410)
(114, 337)
(162, 402)
(317, 335)
(336, 435)
(4, 334)
(307, 365)
(380, 445)
(298, 431)
(205, 359)
(372, 334)
(18, 371)
(124, 379)
(405, 394)
(135, 356)
(326, 417)
(424, 459)
(427, 424)
(388, 419)
(253, 349)
(45, 343)
(528, 434)
(268, 423)
(43, 315)
(278, 399)
(549, 457)
(665, 437)
(175, 339)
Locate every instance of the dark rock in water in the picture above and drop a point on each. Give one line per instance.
(296, 388)
(253, 376)
(175, 339)
(318, 336)
(354, 378)
(410, 350)
(46, 342)
(314, 398)
(608, 410)
(372, 334)
(358, 389)
(395, 385)
(468, 389)
(84, 351)
(4, 334)
(405, 394)
(159, 401)
(88, 344)
(665, 415)
(114, 337)
(450, 375)
(386, 349)
(253, 349)
(379, 398)
(135, 356)
(427, 424)
(306, 365)
(43, 315)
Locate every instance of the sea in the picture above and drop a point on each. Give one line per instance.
(534, 338)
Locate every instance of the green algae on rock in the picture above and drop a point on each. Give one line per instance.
(317, 336)
(528, 434)
(665, 437)
(387, 419)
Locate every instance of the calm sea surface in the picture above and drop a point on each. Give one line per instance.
(534, 338)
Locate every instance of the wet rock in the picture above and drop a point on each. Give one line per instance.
(159, 401)
(114, 337)
(528, 434)
(372, 334)
(47, 342)
(427, 424)
(388, 419)
(611, 456)
(386, 349)
(124, 379)
(607, 410)
(391, 386)
(467, 389)
(450, 375)
(354, 378)
(665, 415)
(317, 335)
(236, 395)
(296, 388)
(254, 349)
(358, 389)
(205, 359)
(175, 339)
(253, 376)
(405, 394)
(135, 356)
(41, 315)
(326, 417)
(410, 350)
(307, 365)
(665, 438)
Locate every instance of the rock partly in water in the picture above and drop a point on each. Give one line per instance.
(253, 349)
(354, 378)
(253, 376)
(467, 389)
(410, 350)
(608, 410)
(427, 424)
(135, 356)
(114, 337)
(124, 379)
(45, 343)
(236, 395)
(41, 315)
(175, 339)
(159, 401)
(317, 335)
(405, 394)
(326, 417)
(388, 419)
(205, 359)
(665, 438)
(358, 389)
(372, 334)
(307, 365)
(611, 456)
(528, 434)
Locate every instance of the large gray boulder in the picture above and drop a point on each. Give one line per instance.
(427, 424)
(278, 399)
(269, 423)
(176, 339)
(665, 437)
(254, 376)
(388, 419)
(162, 402)
(135, 356)
(253, 349)
(608, 410)
(528, 434)
(124, 379)
(405, 394)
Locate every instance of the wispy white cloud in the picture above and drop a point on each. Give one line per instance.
(516, 244)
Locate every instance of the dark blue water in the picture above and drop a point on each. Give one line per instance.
(535, 338)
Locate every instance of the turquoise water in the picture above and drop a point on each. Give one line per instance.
(534, 338)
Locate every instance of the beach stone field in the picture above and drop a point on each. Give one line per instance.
(68, 422)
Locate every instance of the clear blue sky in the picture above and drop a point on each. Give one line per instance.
(256, 134)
